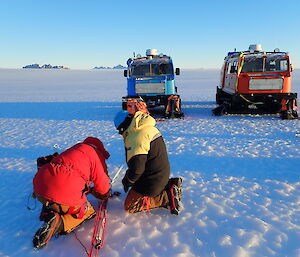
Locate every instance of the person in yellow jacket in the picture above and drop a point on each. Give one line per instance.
(148, 165)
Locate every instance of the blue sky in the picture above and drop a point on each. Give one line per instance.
(82, 34)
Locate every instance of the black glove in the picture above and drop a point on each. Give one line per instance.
(99, 196)
(126, 184)
(106, 196)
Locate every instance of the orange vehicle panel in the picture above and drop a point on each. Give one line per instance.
(244, 81)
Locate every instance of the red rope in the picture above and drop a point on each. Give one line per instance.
(146, 204)
(99, 229)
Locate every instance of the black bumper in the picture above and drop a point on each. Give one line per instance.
(253, 103)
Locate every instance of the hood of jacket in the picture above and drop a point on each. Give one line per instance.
(140, 133)
(97, 145)
(140, 121)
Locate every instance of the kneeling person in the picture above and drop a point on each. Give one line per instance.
(148, 165)
(61, 184)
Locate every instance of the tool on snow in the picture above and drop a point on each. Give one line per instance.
(100, 221)
(99, 229)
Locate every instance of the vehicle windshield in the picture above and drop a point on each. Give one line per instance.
(278, 64)
(151, 69)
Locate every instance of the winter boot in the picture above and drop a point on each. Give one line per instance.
(178, 183)
(53, 225)
(174, 201)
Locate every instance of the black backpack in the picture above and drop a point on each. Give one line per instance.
(45, 159)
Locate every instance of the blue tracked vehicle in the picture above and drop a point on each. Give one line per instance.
(151, 79)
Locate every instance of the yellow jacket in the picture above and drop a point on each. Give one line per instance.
(140, 133)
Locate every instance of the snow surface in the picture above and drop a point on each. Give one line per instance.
(241, 173)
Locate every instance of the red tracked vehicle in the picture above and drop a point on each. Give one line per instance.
(256, 82)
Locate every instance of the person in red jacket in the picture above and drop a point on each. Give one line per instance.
(61, 185)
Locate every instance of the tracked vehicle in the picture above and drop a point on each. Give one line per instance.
(151, 80)
(256, 82)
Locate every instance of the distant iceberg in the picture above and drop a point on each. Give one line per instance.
(45, 66)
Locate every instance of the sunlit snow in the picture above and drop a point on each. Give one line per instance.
(241, 173)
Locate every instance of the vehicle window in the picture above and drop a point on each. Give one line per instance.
(265, 64)
(229, 68)
(151, 69)
(139, 69)
(232, 67)
(252, 65)
(276, 64)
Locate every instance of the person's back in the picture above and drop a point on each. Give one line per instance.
(157, 170)
(62, 184)
(65, 178)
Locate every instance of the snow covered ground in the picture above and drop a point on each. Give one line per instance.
(241, 173)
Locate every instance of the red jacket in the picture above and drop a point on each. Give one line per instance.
(65, 178)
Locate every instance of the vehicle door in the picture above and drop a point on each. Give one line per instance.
(231, 76)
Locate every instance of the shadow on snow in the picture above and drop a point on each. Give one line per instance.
(60, 111)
